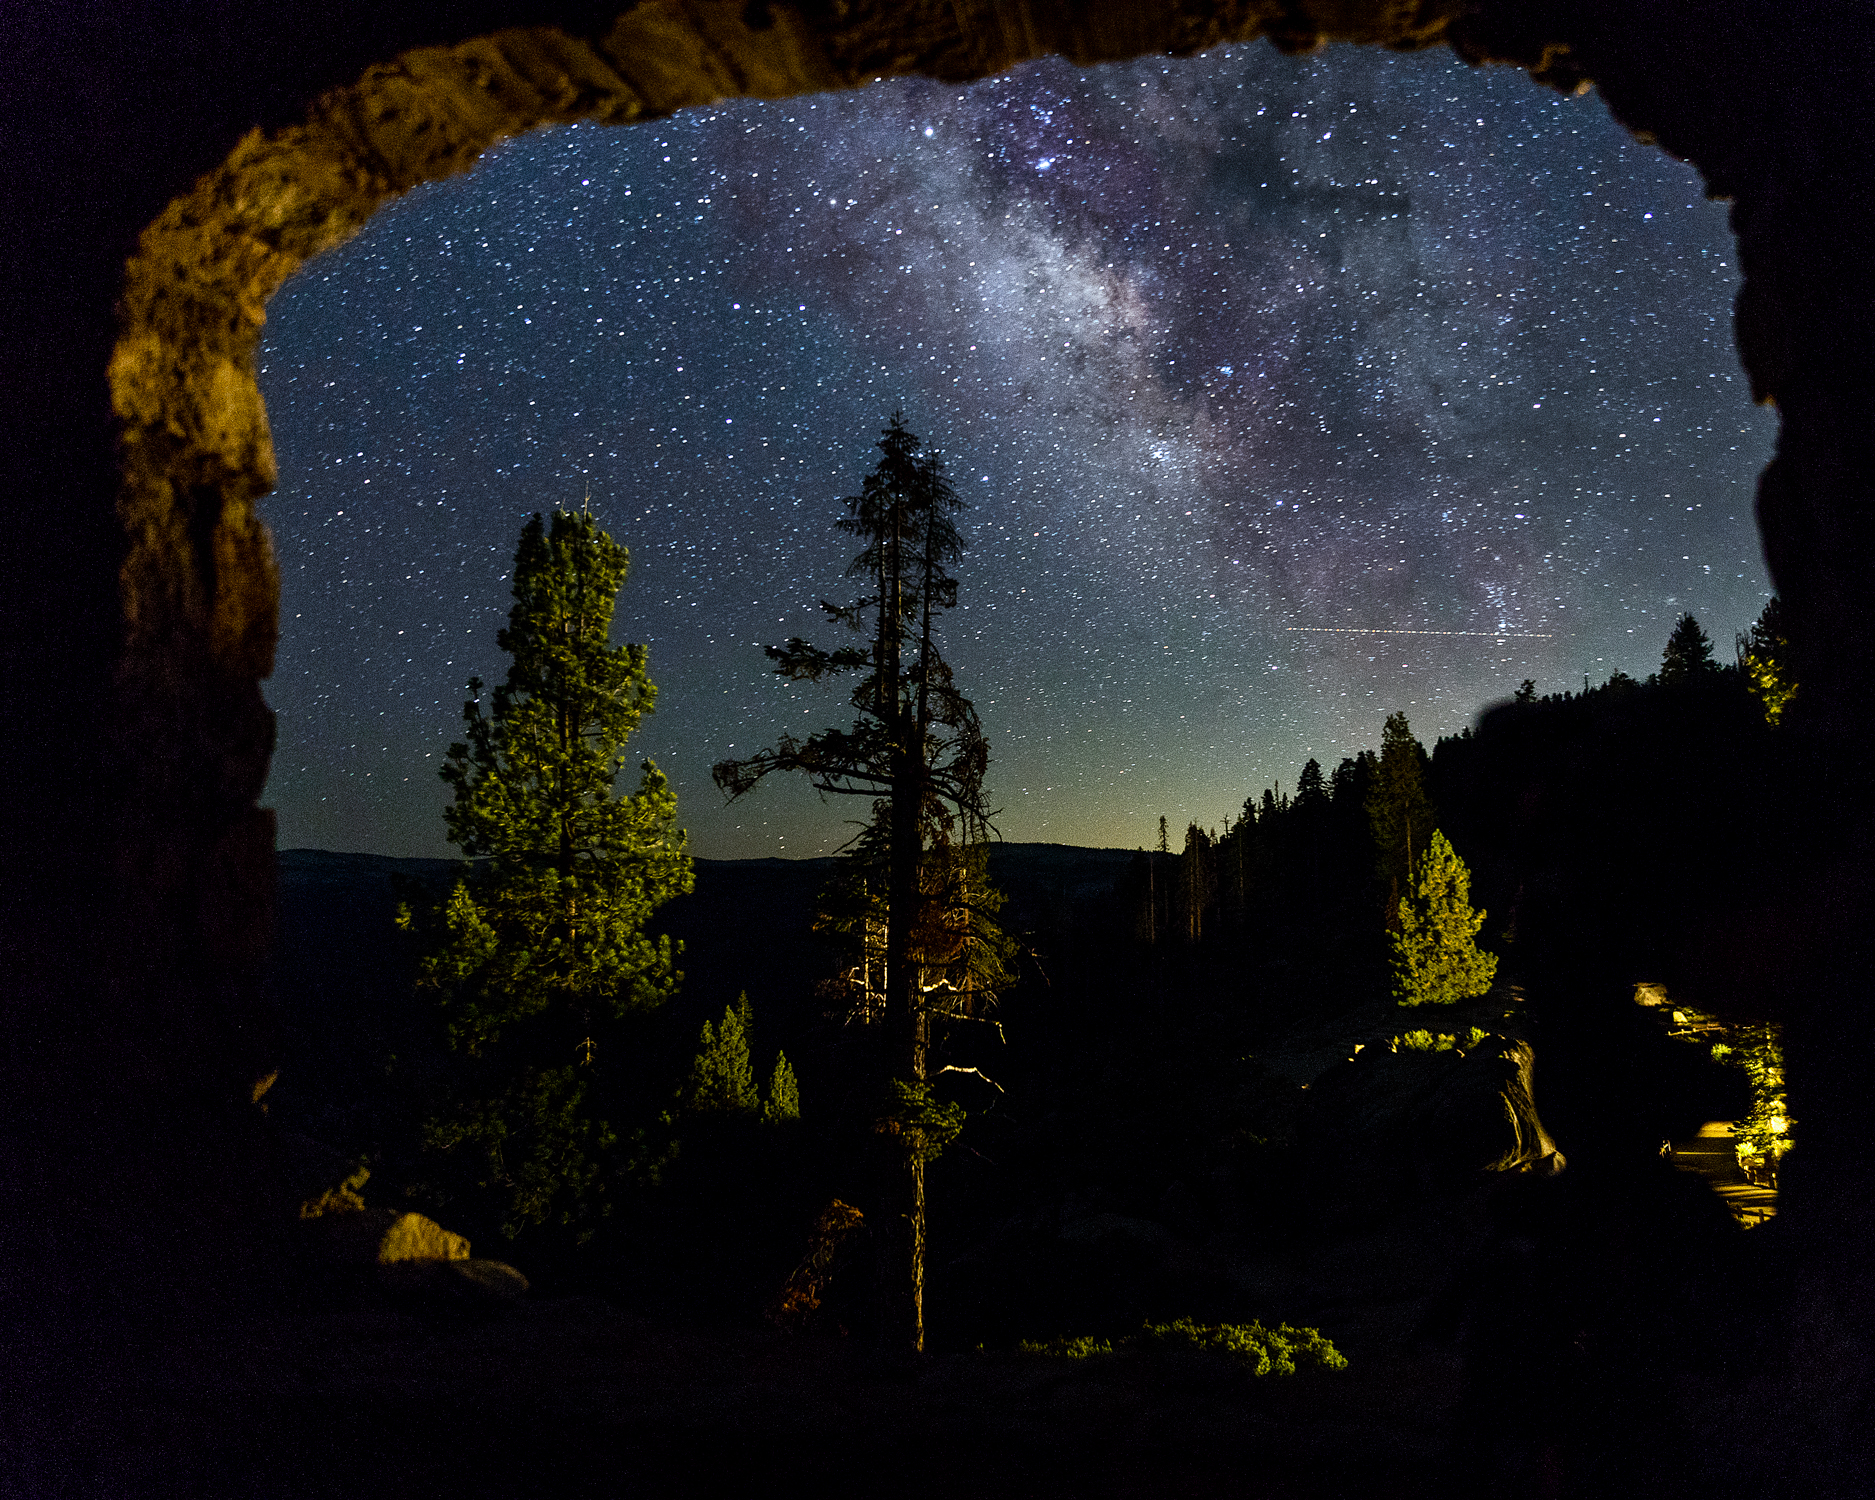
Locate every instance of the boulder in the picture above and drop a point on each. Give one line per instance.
(314, 1178)
(384, 1237)
(1385, 1127)
(464, 1283)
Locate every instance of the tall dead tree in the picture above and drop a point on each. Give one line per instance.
(917, 752)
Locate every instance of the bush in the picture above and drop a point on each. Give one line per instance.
(1067, 1348)
(1441, 1041)
(1266, 1351)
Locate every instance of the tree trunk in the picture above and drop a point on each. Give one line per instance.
(903, 1268)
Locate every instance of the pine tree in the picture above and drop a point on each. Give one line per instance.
(1348, 786)
(1764, 657)
(1196, 881)
(1311, 790)
(1398, 809)
(1435, 960)
(721, 1080)
(917, 752)
(784, 1095)
(537, 954)
(1688, 655)
(958, 948)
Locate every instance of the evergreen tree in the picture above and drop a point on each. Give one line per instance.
(917, 752)
(1764, 657)
(958, 948)
(538, 953)
(1688, 655)
(1398, 809)
(722, 1080)
(1196, 881)
(1311, 792)
(784, 1095)
(1435, 958)
(1348, 787)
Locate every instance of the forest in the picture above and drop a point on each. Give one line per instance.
(1356, 1074)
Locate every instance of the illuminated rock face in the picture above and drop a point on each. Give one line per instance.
(151, 220)
(385, 1237)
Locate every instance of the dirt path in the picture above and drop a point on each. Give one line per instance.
(1710, 1155)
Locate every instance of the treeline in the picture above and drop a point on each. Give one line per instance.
(1568, 807)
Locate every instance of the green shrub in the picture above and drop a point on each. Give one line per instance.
(1267, 1351)
(1272, 1351)
(1439, 1041)
(1066, 1348)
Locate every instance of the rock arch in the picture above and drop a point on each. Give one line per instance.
(152, 633)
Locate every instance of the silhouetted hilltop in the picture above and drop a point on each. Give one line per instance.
(342, 972)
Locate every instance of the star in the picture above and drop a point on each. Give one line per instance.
(1239, 355)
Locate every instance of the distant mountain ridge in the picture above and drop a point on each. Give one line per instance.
(342, 971)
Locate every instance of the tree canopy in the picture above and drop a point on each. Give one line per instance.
(1398, 808)
(541, 947)
(1435, 958)
(917, 752)
(1688, 654)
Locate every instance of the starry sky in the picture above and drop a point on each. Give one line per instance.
(1285, 393)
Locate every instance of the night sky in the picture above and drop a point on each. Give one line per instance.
(1238, 360)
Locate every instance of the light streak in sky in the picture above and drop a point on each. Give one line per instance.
(1493, 635)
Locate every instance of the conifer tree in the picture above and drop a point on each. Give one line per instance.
(918, 753)
(784, 1094)
(541, 950)
(1311, 789)
(722, 1080)
(1435, 958)
(1764, 657)
(1197, 879)
(1398, 809)
(1688, 654)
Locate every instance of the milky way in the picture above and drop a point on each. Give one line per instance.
(1239, 361)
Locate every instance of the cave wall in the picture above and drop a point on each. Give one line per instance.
(171, 164)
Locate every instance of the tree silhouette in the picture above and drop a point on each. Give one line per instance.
(1688, 654)
(1398, 809)
(542, 948)
(917, 752)
(1311, 789)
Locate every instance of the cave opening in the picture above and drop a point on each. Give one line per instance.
(137, 1019)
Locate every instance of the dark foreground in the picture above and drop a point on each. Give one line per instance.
(575, 1398)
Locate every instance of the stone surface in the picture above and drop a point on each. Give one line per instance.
(460, 1282)
(1385, 1127)
(384, 1237)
